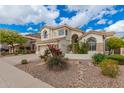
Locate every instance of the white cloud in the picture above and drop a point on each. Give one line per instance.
(102, 21)
(89, 29)
(35, 30)
(75, 21)
(47, 14)
(30, 28)
(110, 22)
(25, 33)
(117, 27)
(85, 14)
(26, 14)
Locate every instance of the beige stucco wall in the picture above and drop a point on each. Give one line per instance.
(49, 33)
(122, 51)
(63, 44)
(56, 33)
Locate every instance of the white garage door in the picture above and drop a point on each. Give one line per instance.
(42, 49)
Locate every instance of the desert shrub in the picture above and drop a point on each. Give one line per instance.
(55, 51)
(83, 48)
(117, 57)
(4, 53)
(98, 58)
(56, 60)
(69, 47)
(24, 61)
(109, 68)
(57, 63)
(78, 48)
(16, 53)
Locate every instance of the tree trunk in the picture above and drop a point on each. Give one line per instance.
(109, 51)
(112, 51)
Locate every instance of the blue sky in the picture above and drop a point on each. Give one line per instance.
(29, 19)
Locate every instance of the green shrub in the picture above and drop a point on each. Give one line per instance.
(117, 57)
(97, 58)
(15, 53)
(78, 48)
(69, 47)
(4, 53)
(83, 48)
(109, 68)
(57, 63)
(24, 61)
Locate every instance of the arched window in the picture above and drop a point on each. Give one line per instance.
(45, 34)
(91, 43)
(74, 38)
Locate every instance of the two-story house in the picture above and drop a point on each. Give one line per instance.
(62, 36)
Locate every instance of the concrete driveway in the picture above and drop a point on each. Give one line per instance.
(12, 77)
(13, 60)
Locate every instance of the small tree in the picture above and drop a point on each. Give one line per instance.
(11, 37)
(83, 48)
(114, 43)
(122, 41)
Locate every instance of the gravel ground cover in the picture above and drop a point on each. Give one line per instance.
(79, 74)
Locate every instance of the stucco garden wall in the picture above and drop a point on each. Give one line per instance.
(79, 56)
(122, 51)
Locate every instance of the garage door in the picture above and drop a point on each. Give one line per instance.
(42, 49)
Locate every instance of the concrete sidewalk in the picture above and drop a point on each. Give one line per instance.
(11, 77)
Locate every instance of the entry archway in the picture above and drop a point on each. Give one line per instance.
(74, 38)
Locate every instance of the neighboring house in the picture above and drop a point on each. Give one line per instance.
(120, 50)
(30, 44)
(4, 47)
(62, 36)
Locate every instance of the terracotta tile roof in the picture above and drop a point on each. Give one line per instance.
(107, 34)
(50, 40)
(62, 26)
(37, 35)
(30, 37)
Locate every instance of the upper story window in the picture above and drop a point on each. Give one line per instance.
(45, 34)
(66, 32)
(61, 32)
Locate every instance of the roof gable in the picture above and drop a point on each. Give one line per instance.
(62, 26)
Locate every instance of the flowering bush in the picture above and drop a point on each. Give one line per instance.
(24, 61)
(55, 51)
(57, 61)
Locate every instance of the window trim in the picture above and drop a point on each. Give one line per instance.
(61, 31)
(45, 34)
(92, 43)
